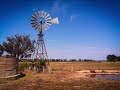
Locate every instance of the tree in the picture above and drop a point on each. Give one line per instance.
(18, 46)
(79, 60)
(118, 58)
(1, 50)
(111, 58)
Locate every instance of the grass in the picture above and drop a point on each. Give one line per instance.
(67, 66)
(59, 78)
(58, 81)
(77, 66)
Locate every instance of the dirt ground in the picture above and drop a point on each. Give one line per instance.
(60, 80)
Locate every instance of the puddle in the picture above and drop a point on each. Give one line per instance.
(106, 76)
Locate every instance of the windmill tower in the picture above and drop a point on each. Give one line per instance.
(41, 21)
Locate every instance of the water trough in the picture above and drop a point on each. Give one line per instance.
(8, 68)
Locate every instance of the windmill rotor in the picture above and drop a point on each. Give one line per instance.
(45, 18)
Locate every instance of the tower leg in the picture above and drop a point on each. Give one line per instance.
(40, 52)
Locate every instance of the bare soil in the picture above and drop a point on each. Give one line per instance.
(60, 80)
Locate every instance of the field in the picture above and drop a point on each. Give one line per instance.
(65, 76)
(85, 65)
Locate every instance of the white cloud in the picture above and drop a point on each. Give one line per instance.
(59, 8)
(55, 6)
(75, 16)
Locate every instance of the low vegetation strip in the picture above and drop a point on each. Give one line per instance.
(77, 66)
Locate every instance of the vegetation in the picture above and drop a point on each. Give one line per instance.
(24, 65)
(36, 63)
(61, 79)
(1, 50)
(41, 62)
(71, 60)
(113, 58)
(19, 46)
(77, 66)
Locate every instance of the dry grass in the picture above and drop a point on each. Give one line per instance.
(76, 66)
(60, 79)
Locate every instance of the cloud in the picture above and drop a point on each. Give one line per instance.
(55, 6)
(72, 17)
(59, 8)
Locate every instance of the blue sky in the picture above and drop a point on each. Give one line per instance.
(88, 29)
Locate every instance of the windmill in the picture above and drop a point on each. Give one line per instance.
(41, 21)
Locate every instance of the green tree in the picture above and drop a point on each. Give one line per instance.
(1, 50)
(19, 46)
(111, 58)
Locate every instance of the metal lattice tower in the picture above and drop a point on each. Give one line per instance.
(40, 49)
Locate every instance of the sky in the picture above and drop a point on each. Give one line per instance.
(87, 29)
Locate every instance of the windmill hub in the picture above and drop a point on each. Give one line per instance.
(41, 20)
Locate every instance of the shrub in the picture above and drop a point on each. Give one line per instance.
(23, 65)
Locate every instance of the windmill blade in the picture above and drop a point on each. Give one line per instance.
(32, 20)
(49, 24)
(40, 13)
(49, 18)
(33, 17)
(43, 27)
(46, 26)
(36, 28)
(54, 21)
(36, 14)
(34, 25)
(45, 14)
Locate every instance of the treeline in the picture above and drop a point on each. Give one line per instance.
(71, 60)
(113, 58)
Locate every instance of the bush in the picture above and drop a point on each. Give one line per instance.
(42, 62)
(23, 65)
